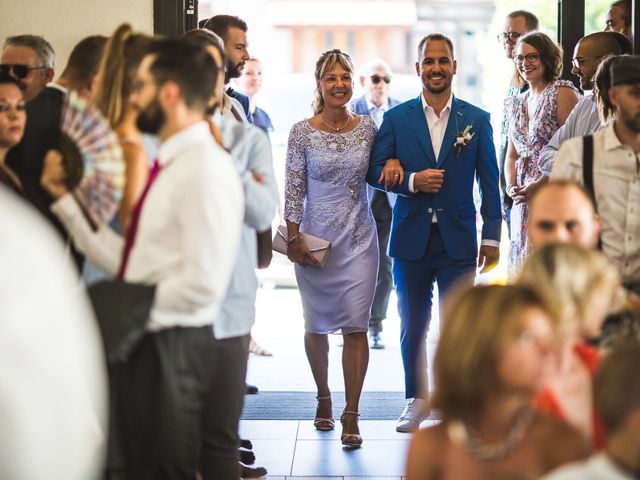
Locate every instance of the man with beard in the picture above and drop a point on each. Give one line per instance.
(611, 173)
(429, 151)
(178, 397)
(583, 120)
(233, 32)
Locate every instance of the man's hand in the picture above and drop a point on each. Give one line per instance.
(392, 174)
(488, 258)
(54, 175)
(429, 180)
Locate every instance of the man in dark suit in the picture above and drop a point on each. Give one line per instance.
(233, 32)
(438, 145)
(375, 77)
(42, 131)
(29, 58)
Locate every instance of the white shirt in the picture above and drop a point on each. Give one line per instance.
(598, 467)
(188, 233)
(617, 188)
(53, 383)
(233, 110)
(376, 112)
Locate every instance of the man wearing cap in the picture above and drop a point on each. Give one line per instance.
(590, 51)
(611, 172)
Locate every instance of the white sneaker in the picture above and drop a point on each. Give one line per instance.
(413, 414)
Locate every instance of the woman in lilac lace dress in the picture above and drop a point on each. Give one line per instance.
(326, 196)
(534, 116)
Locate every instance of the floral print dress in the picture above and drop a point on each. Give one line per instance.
(530, 133)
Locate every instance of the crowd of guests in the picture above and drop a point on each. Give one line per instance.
(524, 379)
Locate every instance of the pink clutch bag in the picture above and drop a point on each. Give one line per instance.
(319, 247)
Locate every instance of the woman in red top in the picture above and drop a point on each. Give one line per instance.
(582, 289)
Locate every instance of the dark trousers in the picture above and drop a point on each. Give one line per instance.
(414, 286)
(176, 405)
(382, 214)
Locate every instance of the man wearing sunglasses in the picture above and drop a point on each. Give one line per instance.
(375, 77)
(583, 120)
(30, 59)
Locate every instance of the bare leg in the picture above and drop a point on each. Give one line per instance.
(355, 360)
(317, 347)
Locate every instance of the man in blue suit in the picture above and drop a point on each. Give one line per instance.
(429, 151)
(375, 77)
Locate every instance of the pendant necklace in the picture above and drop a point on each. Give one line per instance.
(337, 129)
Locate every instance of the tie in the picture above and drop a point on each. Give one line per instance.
(135, 218)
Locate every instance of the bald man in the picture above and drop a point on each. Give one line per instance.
(590, 51)
(562, 211)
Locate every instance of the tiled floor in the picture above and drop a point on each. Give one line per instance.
(291, 449)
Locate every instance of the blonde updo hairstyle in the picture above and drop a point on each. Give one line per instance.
(573, 281)
(327, 61)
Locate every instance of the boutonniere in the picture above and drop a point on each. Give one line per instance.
(463, 139)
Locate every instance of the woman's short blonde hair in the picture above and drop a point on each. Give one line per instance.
(478, 323)
(572, 280)
(325, 63)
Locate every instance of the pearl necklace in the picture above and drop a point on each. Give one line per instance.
(337, 129)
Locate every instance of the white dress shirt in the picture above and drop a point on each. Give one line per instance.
(617, 189)
(188, 233)
(598, 467)
(376, 112)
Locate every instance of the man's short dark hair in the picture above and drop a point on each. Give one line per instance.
(531, 22)
(436, 37)
(85, 59)
(220, 24)
(38, 44)
(188, 65)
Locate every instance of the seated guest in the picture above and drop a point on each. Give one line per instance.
(606, 110)
(493, 355)
(619, 18)
(582, 288)
(617, 397)
(12, 121)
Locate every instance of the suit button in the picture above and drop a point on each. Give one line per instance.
(430, 210)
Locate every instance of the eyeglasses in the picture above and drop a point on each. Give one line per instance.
(531, 58)
(578, 61)
(17, 70)
(376, 79)
(513, 36)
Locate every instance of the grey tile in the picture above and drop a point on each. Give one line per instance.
(376, 458)
(271, 477)
(372, 478)
(274, 455)
(369, 429)
(314, 478)
(269, 429)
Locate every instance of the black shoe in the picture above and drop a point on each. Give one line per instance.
(246, 443)
(375, 341)
(247, 456)
(251, 389)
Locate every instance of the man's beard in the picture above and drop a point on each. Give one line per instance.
(151, 118)
(233, 71)
(632, 122)
(446, 83)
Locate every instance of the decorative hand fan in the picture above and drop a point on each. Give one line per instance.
(93, 158)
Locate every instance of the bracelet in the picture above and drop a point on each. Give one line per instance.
(292, 239)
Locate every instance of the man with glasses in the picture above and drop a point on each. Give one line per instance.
(583, 120)
(516, 25)
(375, 77)
(30, 59)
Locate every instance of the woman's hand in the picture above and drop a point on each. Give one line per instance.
(298, 252)
(54, 175)
(523, 193)
(392, 174)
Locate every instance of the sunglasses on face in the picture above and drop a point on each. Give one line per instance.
(17, 70)
(531, 58)
(376, 79)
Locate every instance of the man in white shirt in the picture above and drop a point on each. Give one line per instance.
(617, 399)
(615, 173)
(177, 395)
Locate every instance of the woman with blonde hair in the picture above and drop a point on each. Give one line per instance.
(115, 84)
(492, 358)
(326, 196)
(581, 288)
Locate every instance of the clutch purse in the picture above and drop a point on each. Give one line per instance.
(319, 247)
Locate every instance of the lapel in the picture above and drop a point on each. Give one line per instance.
(454, 125)
(419, 123)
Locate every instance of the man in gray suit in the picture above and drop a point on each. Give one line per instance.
(375, 77)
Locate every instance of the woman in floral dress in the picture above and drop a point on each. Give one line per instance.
(326, 196)
(534, 116)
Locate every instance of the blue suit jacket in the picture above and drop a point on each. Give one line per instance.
(360, 107)
(404, 134)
